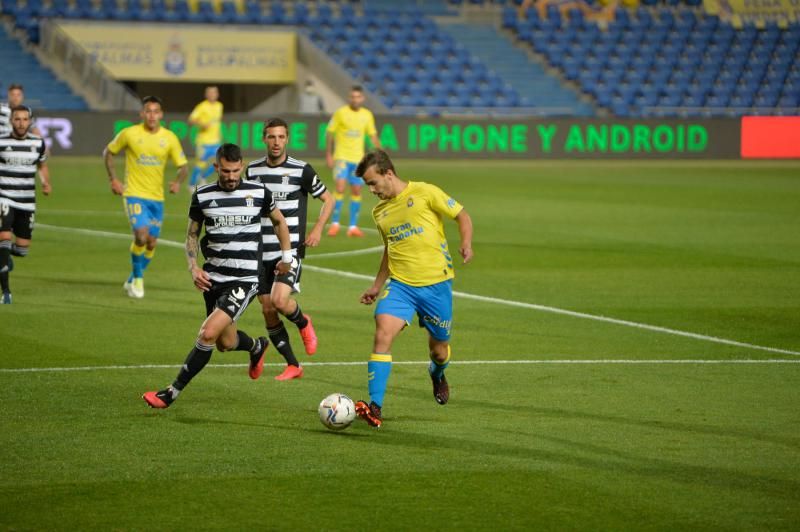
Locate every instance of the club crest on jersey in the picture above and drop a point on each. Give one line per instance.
(285, 179)
(249, 201)
(410, 202)
(162, 143)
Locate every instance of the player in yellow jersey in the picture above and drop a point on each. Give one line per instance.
(346, 130)
(147, 147)
(207, 116)
(417, 263)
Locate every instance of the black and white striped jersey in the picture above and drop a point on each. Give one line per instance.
(5, 118)
(19, 161)
(232, 242)
(290, 184)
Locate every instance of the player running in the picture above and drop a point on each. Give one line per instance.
(147, 147)
(207, 116)
(21, 154)
(346, 129)
(231, 210)
(417, 263)
(291, 181)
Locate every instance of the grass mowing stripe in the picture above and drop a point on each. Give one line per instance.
(487, 299)
(423, 363)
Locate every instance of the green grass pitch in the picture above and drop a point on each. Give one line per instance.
(709, 248)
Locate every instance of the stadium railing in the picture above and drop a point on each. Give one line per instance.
(108, 94)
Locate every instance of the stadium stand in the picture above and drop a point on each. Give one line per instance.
(668, 61)
(660, 59)
(42, 89)
(528, 78)
(411, 64)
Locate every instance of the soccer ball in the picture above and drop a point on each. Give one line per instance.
(337, 411)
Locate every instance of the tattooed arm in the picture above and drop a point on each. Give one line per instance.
(199, 276)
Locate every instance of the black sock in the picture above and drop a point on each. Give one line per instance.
(195, 362)
(245, 342)
(5, 257)
(280, 339)
(297, 317)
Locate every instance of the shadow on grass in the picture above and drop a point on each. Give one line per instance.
(197, 421)
(621, 464)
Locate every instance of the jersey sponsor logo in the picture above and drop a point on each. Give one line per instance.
(278, 196)
(10, 160)
(148, 160)
(403, 231)
(436, 321)
(231, 220)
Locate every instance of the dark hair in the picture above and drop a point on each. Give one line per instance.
(275, 122)
(25, 108)
(379, 159)
(152, 99)
(15, 87)
(230, 152)
(357, 88)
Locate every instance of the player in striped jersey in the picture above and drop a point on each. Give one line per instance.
(231, 210)
(291, 181)
(5, 118)
(22, 154)
(16, 97)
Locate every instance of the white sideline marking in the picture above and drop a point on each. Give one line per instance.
(174, 244)
(420, 363)
(365, 251)
(574, 314)
(486, 299)
(118, 213)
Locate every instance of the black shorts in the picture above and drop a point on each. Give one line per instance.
(17, 221)
(268, 277)
(232, 299)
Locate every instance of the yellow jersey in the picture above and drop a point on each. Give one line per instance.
(348, 128)
(210, 114)
(411, 227)
(145, 159)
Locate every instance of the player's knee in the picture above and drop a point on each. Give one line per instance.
(208, 336)
(223, 345)
(282, 303)
(440, 352)
(266, 305)
(383, 340)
